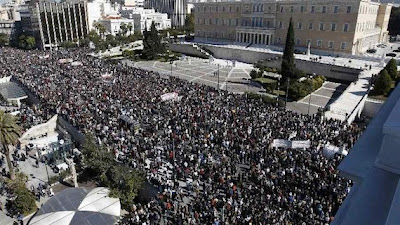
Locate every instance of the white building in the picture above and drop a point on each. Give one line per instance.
(113, 24)
(144, 17)
(99, 9)
(176, 9)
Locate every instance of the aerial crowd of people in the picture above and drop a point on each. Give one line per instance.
(209, 153)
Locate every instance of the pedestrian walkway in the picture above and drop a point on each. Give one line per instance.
(348, 102)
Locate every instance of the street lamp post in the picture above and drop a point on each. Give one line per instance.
(287, 91)
(309, 98)
(171, 62)
(218, 78)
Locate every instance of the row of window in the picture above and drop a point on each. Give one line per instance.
(315, 9)
(367, 10)
(217, 21)
(319, 44)
(321, 27)
(260, 8)
(219, 9)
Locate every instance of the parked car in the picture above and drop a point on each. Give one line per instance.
(391, 54)
(297, 51)
(396, 50)
(381, 46)
(371, 50)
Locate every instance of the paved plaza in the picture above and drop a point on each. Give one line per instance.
(202, 71)
(319, 99)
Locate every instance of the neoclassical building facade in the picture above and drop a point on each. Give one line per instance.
(346, 26)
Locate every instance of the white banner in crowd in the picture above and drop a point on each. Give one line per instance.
(282, 143)
(65, 60)
(106, 75)
(330, 150)
(76, 63)
(169, 96)
(301, 144)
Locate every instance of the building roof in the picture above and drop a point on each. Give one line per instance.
(10, 90)
(79, 206)
(374, 165)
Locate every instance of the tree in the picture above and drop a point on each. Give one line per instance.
(30, 42)
(122, 181)
(391, 68)
(189, 23)
(94, 37)
(152, 45)
(4, 39)
(9, 134)
(100, 29)
(394, 21)
(123, 29)
(288, 66)
(383, 83)
(130, 27)
(25, 200)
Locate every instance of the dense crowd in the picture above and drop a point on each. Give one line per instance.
(208, 153)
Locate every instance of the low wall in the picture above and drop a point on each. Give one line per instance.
(372, 107)
(76, 135)
(273, 60)
(187, 49)
(38, 131)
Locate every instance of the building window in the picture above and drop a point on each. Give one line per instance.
(237, 9)
(297, 41)
(279, 41)
(333, 27)
(312, 9)
(299, 25)
(324, 9)
(223, 8)
(343, 45)
(336, 9)
(309, 42)
(210, 21)
(216, 21)
(237, 22)
(319, 43)
(280, 24)
(330, 44)
(216, 8)
(281, 8)
(310, 26)
(348, 9)
(302, 8)
(321, 26)
(291, 8)
(346, 27)
(230, 8)
(262, 7)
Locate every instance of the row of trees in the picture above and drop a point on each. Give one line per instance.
(24, 200)
(386, 78)
(100, 165)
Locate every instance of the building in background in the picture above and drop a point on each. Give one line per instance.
(343, 26)
(52, 23)
(98, 9)
(113, 24)
(176, 10)
(144, 17)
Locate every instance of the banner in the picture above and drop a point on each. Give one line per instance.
(169, 96)
(301, 144)
(281, 143)
(65, 61)
(330, 150)
(44, 56)
(76, 63)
